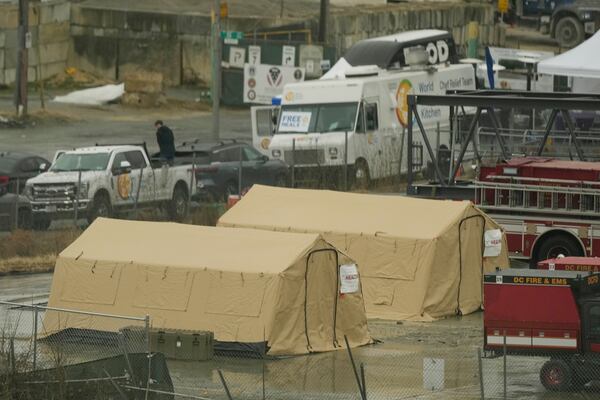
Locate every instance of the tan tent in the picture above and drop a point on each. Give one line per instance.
(247, 286)
(419, 259)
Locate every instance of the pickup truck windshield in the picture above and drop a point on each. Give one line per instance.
(84, 162)
(332, 117)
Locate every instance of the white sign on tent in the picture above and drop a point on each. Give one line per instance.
(349, 282)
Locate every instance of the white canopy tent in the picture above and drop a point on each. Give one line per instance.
(582, 63)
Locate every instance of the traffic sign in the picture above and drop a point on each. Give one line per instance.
(232, 35)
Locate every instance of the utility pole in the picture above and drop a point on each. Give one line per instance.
(23, 43)
(323, 21)
(216, 70)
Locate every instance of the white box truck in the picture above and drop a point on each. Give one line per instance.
(359, 115)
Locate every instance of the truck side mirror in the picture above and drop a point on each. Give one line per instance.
(44, 167)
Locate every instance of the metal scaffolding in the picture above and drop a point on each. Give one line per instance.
(491, 101)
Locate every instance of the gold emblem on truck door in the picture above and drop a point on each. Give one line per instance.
(124, 186)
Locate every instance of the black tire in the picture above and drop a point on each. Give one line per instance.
(231, 188)
(556, 375)
(41, 223)
(361, 178)
(553, 246)
(569, 32)
(178, 206)
(25, 219)
(100, 207)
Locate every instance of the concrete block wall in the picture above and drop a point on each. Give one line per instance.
(112, 42)
(49, 23)
(346, 28)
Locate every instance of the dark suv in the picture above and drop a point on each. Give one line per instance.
(218, 164)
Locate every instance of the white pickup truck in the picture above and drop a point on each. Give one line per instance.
(103, 181)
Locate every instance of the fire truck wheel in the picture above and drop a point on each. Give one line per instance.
(553, 246)
(556, 375)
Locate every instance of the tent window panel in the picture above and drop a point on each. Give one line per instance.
(94, 283)
(163, 288)
(236, 294)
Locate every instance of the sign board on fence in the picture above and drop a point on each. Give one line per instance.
(237, 57)
(262, 82)
(311, 56)
(433, 374)
(288, 56)
(253, 55)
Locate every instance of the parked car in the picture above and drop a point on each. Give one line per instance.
(16, 168)
(217, 167)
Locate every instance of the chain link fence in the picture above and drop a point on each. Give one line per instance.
(35, 339)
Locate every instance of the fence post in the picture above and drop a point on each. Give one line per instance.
(240, 174)
(293, 163)
(504, 364)
(137, 193)
(35, 329)
(147, 332)
(358, 380)
(227, 392)
(18, 189)
(76, 203)
(346, 161)
(363, 380)
(480, 362)
(192, 176)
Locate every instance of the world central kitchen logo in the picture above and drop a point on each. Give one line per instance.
(274, 76)
(404, 88)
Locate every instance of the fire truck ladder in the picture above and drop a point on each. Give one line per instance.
(535, 195)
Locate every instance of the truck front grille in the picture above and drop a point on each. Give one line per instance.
(304, 157)
(65, 191)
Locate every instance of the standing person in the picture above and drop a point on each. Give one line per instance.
(166, 141)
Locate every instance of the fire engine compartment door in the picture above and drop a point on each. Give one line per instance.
(592, 327)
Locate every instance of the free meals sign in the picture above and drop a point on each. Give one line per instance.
(294, 121)
(262, 82)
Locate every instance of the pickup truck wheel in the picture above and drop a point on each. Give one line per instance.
(569, 32)
(556, 375)
(100, 208)
(178, 206)
(41, 223)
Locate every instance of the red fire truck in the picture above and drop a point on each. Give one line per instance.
(561, 321)
(548, 207)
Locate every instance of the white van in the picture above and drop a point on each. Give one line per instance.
(368, 109)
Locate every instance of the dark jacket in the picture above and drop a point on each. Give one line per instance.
(166, 142)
